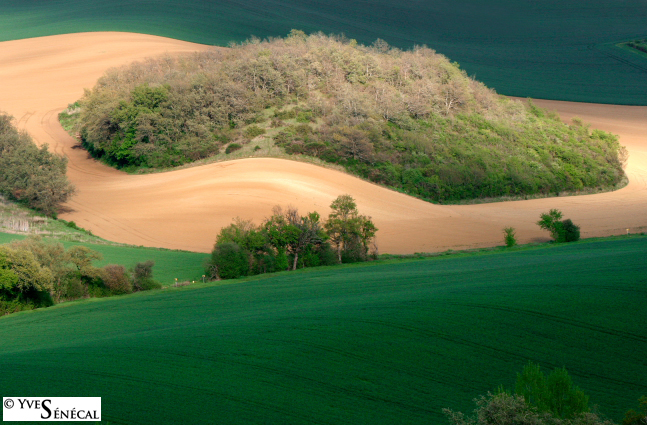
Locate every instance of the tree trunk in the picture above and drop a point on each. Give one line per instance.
(296, 257)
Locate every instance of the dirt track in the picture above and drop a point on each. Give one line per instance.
(185, 209)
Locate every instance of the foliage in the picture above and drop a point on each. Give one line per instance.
(509, 237)
(143, 276)
(116, 279)
(554, 393)
(350, 232)
(36, 273)
(506, 409)
(31, 175)
(233, 147)
(633, 417)
(288, 240)
(571, 231)
(378, 343)
(411, 120)
(560, 230)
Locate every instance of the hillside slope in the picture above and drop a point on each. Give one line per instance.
(391, 343)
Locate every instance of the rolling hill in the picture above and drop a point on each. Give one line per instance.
(385, 343)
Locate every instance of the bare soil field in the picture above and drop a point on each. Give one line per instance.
(185, 209)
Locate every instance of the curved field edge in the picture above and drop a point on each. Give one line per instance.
(504, 46)
(389, 342)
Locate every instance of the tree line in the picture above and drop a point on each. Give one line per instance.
(287, 241)
(37, 273)
(30, 175)
(411, 120)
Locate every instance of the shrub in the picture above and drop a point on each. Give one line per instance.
(509, 237)
(143, 276)
(228, 261)
(116, 280)
(233, 147)
(571, 231)
(253, 131)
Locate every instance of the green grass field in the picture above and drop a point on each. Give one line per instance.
(169, 264)
(551, 49)
(391, 343)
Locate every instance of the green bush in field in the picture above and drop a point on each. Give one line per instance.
(560, 230)
(509, 237)
(571, 231)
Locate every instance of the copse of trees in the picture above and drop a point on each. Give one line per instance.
(35, 273)
(538, 399)
(560, 230)
(287, 241)
(411, 120)
(31, 175)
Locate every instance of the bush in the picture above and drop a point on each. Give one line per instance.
(253, 131)
(233, 147)
(116, 279)
(228, 261)
(31, 175)
(571, 231)
(509, 237)
(143, 276)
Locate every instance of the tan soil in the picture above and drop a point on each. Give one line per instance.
(185, 209)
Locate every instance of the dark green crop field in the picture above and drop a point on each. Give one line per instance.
(548, 49)
(388, 343)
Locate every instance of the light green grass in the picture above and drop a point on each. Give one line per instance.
(547, 50)
(389, 343)
(169, 264)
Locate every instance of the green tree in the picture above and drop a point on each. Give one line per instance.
(551, 221)
(31, 175)
(507, 409)
(509, 237)
(571, 231)
(228, 261)
(21, 277)
(639, 417)
(554, 393)
(349, 231)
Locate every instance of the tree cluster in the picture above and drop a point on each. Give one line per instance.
(411, 120)
(538, 399)
(287, 241)
(31, 175)
(35, 273)
(560, 230)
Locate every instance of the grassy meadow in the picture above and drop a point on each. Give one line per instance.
(169, 264)
(563, 50)
(386, 343)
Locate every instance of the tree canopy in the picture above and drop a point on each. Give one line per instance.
(411, 120)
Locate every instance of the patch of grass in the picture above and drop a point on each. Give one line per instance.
(384, 343)
(519, 48)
